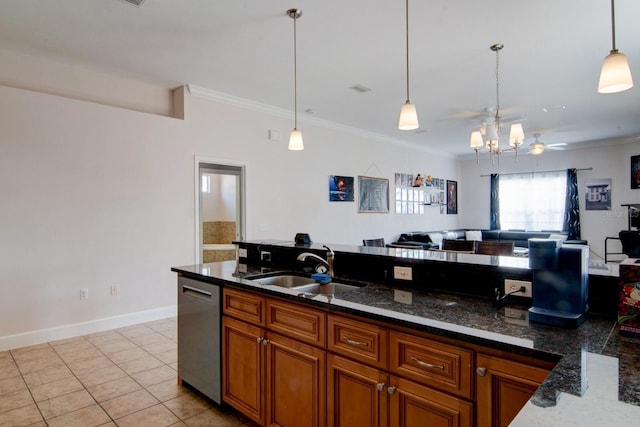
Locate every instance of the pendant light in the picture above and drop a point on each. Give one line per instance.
(295, 140)
(408, 116)
(615, 75)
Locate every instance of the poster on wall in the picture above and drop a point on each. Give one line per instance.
(635, 172)
(452, 197)
(597, 194)
(341, 188)
(373, 194)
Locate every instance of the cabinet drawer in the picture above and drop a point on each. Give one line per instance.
(244, 306)
(432, 363)
(358, 340)
(301, 323)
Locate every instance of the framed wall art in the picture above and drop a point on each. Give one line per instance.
(452, 197)
(635, 172)
(597, 194)
(341, 188)
(373, 194)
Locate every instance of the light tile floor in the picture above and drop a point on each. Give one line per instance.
(123, 377)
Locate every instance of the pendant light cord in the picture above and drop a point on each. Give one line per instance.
(497, 88)
(613, 24)
(407, 40)
(295, 75)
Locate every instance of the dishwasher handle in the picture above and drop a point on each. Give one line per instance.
(196, 293)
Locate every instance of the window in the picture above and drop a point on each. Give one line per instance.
(533, 201)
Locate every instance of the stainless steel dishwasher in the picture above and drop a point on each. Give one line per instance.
(199, 350)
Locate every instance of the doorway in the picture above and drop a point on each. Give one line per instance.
(219, 211)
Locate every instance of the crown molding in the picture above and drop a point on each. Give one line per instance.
(225, 98)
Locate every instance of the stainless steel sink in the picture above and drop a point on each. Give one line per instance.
(285, 280)
(303, 284)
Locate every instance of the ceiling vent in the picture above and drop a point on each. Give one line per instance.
(136, 3)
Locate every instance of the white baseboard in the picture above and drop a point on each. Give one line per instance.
(83, 328)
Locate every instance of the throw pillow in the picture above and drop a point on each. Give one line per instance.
(473, 235)
(561, 237)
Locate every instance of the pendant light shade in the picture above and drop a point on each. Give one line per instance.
(295, 139)
(516, 135)
(615, 75)
(408, 116)
(476, 140)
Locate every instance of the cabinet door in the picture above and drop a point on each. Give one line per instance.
(296, 378)
(414, 405)
(503, 388)
(243, 368)
(356, 394)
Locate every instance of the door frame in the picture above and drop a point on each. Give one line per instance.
(241, 198)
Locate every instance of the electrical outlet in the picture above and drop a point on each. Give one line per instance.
(84, 293)
(402, 273)
(404, 297)
(265, 256)
(242, 253)
(114, 290)
(511, 285)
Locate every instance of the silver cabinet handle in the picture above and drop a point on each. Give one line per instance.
(380, 386)
(391, 390)
(265, 342)
(259, 339)
(425, 364)
(354, 343)
(481, 371)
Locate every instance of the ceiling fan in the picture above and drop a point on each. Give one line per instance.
(537, 146)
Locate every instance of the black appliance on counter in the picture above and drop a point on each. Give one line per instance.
(560, 282)
(199, 330)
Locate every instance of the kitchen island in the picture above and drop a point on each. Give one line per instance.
(594, 382)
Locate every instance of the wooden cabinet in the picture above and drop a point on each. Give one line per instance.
(291, 365)
(356, 394)
(271, 378)
(358, 340)
(503, 387)
(432, 363)
(296, 383)
(243, 380)
(369, 396)
(414, 405)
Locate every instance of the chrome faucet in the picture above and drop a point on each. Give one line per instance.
(328, 263)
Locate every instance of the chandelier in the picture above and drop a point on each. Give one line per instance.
(492, 126)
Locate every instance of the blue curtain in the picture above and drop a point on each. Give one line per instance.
(494, 215)
(572, 209)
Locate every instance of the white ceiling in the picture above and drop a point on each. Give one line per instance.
(552, 58)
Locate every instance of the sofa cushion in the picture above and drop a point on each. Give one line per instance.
(491, 235)
(436, 237)
(473, 235)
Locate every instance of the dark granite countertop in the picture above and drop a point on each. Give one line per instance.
(505, 328)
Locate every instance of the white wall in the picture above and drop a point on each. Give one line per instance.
(94, 196)
(219, 204)
(608, 160)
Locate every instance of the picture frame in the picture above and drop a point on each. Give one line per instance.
(635, 172)
(373, 195)
(452, 197)
(597, 194)
(341, 188)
